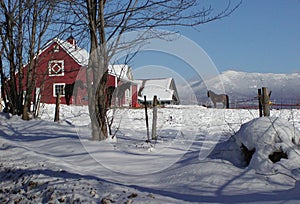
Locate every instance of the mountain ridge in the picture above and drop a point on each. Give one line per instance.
(242, 86)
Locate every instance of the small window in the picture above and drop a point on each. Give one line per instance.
(56, 68)
(59, 88)
(56, 48)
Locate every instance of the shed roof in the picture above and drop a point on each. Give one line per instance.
(121, 71)
(162, 88)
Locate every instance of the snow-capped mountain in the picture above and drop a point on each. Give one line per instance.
(243, 86)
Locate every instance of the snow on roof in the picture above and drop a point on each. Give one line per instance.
(81, 56)
(158, 87)
(120, 70)
(78, 54)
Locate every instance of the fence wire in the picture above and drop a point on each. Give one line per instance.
(275, 103)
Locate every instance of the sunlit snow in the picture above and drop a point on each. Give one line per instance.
(196, 159)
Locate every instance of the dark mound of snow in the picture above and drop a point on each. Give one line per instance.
(264, 144)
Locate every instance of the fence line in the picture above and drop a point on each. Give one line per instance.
(275, 104)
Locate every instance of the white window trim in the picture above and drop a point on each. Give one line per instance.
(57, 84)
(51, 62)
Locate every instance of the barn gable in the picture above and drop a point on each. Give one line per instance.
(80, 55)
(57, 67)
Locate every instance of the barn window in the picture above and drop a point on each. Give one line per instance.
(59, 88)
(56, 48)
(56, 68)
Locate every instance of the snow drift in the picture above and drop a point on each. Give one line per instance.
(267, 145)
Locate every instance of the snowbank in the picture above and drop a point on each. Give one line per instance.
(270, 140)
(269, 145)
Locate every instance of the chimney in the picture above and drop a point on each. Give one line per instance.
(71, 40)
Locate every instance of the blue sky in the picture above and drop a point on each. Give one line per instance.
(260, 36)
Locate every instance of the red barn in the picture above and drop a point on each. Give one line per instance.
(58, 66)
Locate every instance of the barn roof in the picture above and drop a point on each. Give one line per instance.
(80, 55)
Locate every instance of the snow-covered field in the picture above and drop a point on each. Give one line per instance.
(196, 158)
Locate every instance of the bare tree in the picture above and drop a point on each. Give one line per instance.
(38, 18)
(109, 20)
(9, 19)
(3, 79)
(24, 29)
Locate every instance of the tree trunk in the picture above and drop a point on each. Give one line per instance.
(19, 56)
(97, 96)
(12, 95)
(100, 104)
(30, 81)
(98, 64)
(3, 86)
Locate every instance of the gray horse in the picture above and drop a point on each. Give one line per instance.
(218, 98)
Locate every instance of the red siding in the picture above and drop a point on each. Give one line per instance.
(111, 81)
(44, 81)
(71, 68)
(72, 73)
(134, 98)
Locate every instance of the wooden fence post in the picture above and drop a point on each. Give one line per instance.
(0, 104)
(56, 116)
(265, 101)
(154, 121)
(146, 115)
(260, 103)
